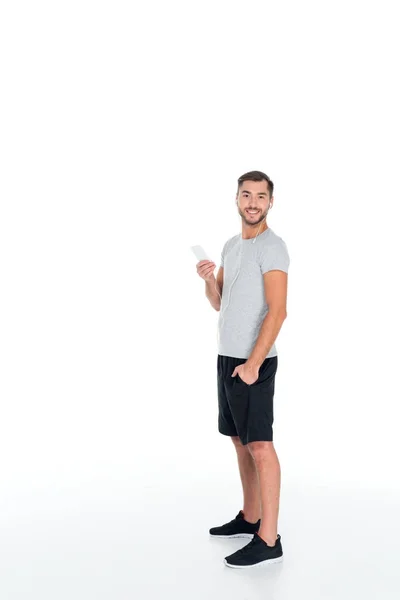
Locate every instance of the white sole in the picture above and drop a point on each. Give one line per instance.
(263, 562)
(236, 535)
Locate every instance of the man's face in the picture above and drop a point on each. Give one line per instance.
(253, 201)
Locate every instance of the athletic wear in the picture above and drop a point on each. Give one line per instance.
(246, 410)
(243, 305)
(255, 553)
(237, 528)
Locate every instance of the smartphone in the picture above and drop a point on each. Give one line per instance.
(199, 253)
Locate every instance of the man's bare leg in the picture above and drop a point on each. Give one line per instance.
(269, 477)
(250, 482)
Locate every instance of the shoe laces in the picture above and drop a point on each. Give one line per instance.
(239, 517)
(248, 546)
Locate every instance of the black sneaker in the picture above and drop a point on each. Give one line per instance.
(255, 553)
(237, 528)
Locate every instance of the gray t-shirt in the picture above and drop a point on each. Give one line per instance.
(243, 305)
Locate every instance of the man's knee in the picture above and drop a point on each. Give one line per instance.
(238, 444)
(262, 450)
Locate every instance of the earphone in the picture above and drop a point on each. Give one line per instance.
(240, 264)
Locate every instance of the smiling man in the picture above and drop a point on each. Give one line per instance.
(250, 292)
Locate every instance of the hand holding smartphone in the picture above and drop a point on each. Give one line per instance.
(205, 266)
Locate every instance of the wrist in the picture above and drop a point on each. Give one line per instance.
(253, 362)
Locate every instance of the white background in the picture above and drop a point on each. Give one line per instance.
(124, 129)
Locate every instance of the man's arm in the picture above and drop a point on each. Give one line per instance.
(212, 285)
(275, 286)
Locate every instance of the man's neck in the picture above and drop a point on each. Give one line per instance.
(250, 231)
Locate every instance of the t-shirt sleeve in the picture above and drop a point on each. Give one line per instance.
(221, 263)
(275, 257)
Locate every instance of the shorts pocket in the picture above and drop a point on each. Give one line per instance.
(239, 379)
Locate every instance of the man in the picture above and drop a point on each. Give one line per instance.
(250, 292)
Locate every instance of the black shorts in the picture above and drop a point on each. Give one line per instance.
(246, 410)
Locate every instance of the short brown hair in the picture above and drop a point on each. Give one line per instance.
(256, 176)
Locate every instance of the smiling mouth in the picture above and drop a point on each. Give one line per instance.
(252, 212)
